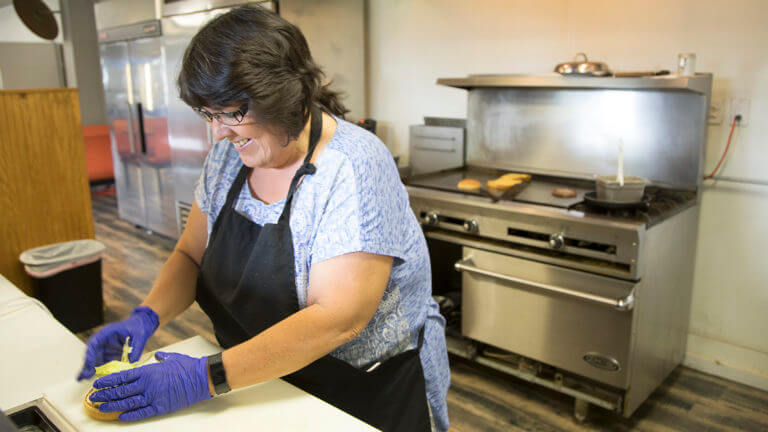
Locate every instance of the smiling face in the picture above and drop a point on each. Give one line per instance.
(257, 145)
(254, 55)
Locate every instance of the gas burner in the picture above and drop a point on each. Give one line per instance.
(591, 200)
(657, 205)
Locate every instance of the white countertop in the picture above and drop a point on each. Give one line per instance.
(8, 291)
(37, 351)
(270, 406)
(41, 358)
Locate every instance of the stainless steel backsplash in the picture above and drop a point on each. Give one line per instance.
(575, 132)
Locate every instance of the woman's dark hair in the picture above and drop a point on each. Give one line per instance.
(251, 55)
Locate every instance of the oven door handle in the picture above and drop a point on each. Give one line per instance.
(622, 304)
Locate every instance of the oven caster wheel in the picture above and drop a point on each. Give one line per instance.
(580, 410)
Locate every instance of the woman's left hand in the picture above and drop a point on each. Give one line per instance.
(176, 382)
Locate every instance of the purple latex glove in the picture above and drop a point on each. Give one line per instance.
(177, 382)
(107, 344)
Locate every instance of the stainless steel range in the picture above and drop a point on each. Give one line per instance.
(590, 301)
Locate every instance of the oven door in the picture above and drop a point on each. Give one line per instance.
(576, 321)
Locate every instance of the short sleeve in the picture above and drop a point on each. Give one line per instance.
(212, 178)
(202, 195)
(364, 210)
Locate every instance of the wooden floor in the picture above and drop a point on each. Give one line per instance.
(479, 399)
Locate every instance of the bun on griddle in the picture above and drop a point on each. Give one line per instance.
(564, 193)
(502, 184)
(506, 181)
(515, 176)
(470, 185)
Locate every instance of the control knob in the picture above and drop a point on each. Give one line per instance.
(556, 241)
(471, 226)
(430, 219)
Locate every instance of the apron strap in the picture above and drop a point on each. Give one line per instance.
(315, 130)
(421, 336)
(232, 195)
(237, 186)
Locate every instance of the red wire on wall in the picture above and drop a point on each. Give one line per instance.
(725, 152)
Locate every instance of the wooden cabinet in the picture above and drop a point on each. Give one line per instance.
(44, 193)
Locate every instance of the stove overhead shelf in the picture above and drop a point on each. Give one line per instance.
(700, 83)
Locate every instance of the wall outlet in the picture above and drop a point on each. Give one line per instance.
(739, 106)
(716, 108)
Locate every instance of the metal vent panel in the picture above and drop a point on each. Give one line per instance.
(182, 214)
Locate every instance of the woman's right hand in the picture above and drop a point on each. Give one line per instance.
(107, 343)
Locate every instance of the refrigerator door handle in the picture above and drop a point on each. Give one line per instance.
(142, 137)
(130, 130)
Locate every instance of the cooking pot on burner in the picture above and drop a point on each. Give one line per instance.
(610, 190)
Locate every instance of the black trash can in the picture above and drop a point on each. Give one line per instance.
(67, 279)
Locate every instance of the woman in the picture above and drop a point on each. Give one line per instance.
(301, 247)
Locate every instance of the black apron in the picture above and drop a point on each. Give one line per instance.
(247, 283)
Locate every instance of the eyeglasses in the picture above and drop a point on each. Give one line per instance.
(233, 118)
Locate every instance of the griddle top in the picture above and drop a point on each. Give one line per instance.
(663, 202)
(537, 191)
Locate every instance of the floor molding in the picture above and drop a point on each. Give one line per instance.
(733, 362)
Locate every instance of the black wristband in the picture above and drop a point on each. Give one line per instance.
(218, 374)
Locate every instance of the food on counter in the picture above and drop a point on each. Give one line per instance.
(470, 185)
(112, 367)
(92, 409)
(564, 193)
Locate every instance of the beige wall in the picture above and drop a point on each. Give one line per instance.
(339, 52)
(28, 65)
(412, 43)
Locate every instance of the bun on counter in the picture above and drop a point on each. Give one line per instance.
(470, 185)
(92, 409)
